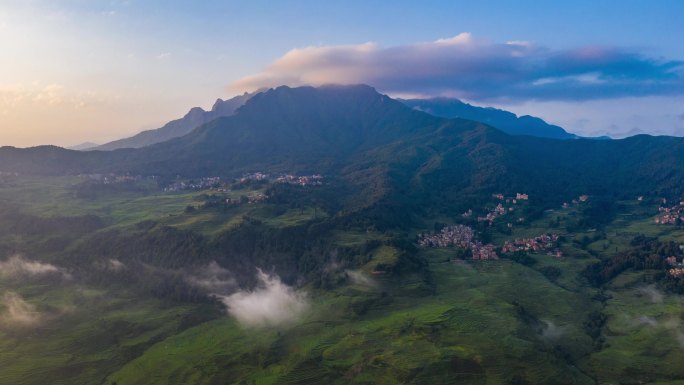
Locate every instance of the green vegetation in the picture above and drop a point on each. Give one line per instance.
(416, 315)
(106, 277)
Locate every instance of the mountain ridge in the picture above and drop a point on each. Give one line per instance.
(506, 121)
(383, 150)
(179, 127)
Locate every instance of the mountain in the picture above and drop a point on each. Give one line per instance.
(83, 146)
(179, 127)
(383, 152)
(506, 121)
(115, 275)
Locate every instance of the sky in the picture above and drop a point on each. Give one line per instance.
(85, 70)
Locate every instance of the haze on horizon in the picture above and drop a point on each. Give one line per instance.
(76, 71)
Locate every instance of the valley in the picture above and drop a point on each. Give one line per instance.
(341, 192)
(377, 305)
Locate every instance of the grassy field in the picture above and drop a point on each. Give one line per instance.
(469, 332)
(82, 334)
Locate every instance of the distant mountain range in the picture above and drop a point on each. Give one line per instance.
(384, 153)
(506, 121)
(179, 127)
(442, 107)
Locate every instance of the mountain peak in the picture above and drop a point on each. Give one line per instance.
(217, 104)
(196, 117)
(341, 101)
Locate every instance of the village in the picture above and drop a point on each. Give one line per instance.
(460, 236)
(464, 237)
(113, 178)
(306, 180)
(499, 209)
(303, 180)
(580, 199)
(225, 186)
(673, 215)
(676, 264)
(544, 242)
(198, 184)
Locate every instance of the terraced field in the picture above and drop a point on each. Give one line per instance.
(451, 321)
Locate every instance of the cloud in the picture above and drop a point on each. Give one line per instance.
(111, 265)
(358, 278)
(271, 303)
(13, 97)
(19, 267)
(652, 293)
(671, 324)
(18, 311)
(645, 320)
(213, 278)
(51, 95)
(551, 331)
(477, 69)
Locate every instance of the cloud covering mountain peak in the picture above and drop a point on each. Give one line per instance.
(478, 69)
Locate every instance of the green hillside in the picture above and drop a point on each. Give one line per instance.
(335, 235)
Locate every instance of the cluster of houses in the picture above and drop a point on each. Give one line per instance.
(677, 264)
(459, 236)
(112, 178)
(580, 199)
(196, 184)
(221, 186)
(483, 252)
(253, 177)
(305, 180)
(251, 199)
(544, 242)
(500, 209)
(5, 173)
(671, 215)
(677, 272)
(256, 198)
(496, 212)
(514, 200)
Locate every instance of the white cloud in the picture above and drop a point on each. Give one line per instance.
(551, 331)
(111, 264)
(361, 279)
(645, 320)
(653, 294)
(18, 266)
(18, 311)
(213, 278)
(51, 94)
(34, 95)
(463, 38)
(477, 69)
(271, 303)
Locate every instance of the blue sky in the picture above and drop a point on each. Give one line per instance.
(98, 70)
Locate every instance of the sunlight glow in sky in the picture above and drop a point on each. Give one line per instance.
(78, 70)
